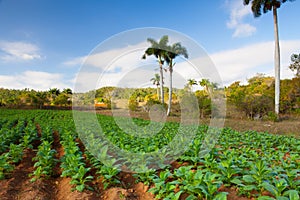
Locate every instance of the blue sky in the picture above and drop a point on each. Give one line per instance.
(44, 42)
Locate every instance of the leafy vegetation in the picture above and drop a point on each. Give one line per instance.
(251, 163)
(44, 161)
(257, 97)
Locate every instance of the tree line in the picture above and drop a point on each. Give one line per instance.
(37, 99)
(255, 99)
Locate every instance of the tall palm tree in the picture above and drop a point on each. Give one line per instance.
(205, 83)
(173, 51)
(158, 49)
(155, 81)
(191, 82)
(267, 5)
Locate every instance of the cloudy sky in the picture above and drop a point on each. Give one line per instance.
(73, 43)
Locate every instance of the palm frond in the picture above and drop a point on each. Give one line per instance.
(163, 42)
(259, 6)
(152, 41)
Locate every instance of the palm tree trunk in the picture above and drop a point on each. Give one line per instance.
(170, 90)
(277, 62)
(157, 92)
(161, 83)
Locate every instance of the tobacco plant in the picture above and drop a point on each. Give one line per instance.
(45, 161)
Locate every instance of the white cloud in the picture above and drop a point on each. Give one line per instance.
(120, 66)
(138, 77)
(18, 51)
(75, 61)
(125, 68)
(34, 80)
(244, 30)
(102, 59)
(238, 12)
(242, 63)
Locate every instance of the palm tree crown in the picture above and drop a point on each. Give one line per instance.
(158, 49)
(263, 5)
(190, 83)
(155, 80)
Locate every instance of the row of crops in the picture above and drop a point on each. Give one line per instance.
(255, 165)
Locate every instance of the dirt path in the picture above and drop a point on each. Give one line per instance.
(289, 124)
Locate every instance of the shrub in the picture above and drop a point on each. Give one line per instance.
(133, 104)
(271, 116)
(109, 103)
(153, 101)
(256, 105)
(204, 104)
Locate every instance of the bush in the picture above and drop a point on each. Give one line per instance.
(110, 104)
(133, 104)
(189, 105)
(205, 106)
(256, 105)
(152, 100)
(271, 116)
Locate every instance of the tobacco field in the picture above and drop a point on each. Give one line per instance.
(42, 157)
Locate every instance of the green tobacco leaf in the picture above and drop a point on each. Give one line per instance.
(221, 196)
(281, 198)
(265, 198)
(74, 182)
(89, 177)
(176, 196)
(272, 189)
(250, 187)
(248, 179)
(191, 197)
(237, 182)
(292, 194)
(80, 188)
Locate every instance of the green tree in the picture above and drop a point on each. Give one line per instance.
(255, 99)
(257, 7)
(173, 51)
(158, 49)
(190, 83)
(54, 92)
(62, 99)
(208, 86)
(41, 99)
(155, 81)
(295, 65)
(67, 91)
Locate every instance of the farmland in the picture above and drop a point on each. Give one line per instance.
(43, 157)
